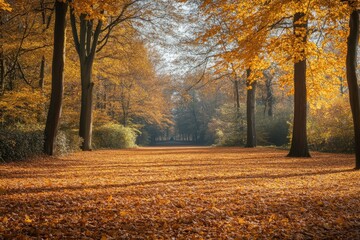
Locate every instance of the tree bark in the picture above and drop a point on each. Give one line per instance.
(85, 43)
(250, 112)
(299, 145)
(354, 91)
(125, 103)
(269, 102)
(53, 118)
(237, 99)
(2, 64)
(42, 73)
(42, 64)
(86, 112)
(2, 73)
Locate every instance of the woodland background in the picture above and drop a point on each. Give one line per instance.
(176, 70)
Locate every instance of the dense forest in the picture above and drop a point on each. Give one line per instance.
(86, 74)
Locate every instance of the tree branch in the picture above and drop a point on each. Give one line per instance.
(74, 30)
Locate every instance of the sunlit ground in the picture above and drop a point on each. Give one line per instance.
(181, 193)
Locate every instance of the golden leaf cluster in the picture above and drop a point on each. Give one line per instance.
(94, 9)
(4, 6)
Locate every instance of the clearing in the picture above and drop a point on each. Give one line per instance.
(181, 193)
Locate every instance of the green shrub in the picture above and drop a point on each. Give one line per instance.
(232, 136)
(114, 136)
(226, 128)
(20, 144)
(144, 138)
(273, 131)
(67, 141)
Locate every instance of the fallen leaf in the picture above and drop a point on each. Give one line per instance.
(27, 219)
(241, 221)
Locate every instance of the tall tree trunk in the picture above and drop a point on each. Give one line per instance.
(354, 91)
(42, 64)
(86, 112)
(237, 99)
(85, 44)
(124, 106)
(299, 145)
(42, 73)
(2, 73)
(53, 118)
(250, 111)
(11, 80)
(269, 97)
(124, 117)
(2, 64)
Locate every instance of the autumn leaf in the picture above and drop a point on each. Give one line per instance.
(302, 209)
(340, 221)
(272, 217)
(241, 221)
(27, 219)
(123, 213)
(5, 220)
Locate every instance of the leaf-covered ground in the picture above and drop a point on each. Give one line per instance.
(181, 193)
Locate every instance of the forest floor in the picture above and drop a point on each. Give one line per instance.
(181, 193)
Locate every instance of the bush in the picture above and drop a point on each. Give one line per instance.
(144, 138)
(229, 132)
(114, 136)
(273, 131)
(330, 127)
(20, 144)
(231, 136)
(67, 141)
(226, 129)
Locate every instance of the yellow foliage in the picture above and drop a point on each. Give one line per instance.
(94, 9)
(24, 106)
(128, 86)
(330, 124)
(256, 32)
(4, 6)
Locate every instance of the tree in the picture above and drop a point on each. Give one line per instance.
(85, 45)
(250, 110)
(54, 113)
(128, 89)
(23, 43)
(4, 7)
(45, 23)
(351, 65)
(268, 97)
(195, 108)
(299, 146)
(262, 29)
(20, 46)
(88, 41)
